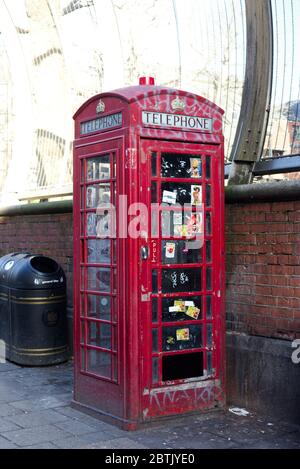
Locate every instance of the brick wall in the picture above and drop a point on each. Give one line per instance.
(263, 269)
(263, 261)
(48, 234)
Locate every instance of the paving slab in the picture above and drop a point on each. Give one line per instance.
(35, 435)
(36, 418)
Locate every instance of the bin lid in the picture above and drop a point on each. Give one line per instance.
(30, 271)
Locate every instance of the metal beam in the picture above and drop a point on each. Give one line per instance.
(268, 166)
(252, 125)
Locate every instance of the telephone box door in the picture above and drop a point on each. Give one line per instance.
(98, 374)
(181, 276)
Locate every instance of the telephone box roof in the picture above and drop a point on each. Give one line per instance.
(131, 94)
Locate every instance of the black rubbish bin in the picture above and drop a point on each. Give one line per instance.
(33, 321)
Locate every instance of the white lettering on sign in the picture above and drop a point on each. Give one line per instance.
(176, 120)
(101, 123)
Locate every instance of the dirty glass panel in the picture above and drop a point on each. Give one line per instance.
(154, 340)
(208, 250)
(208, 195)
(185, 308)
(208, 278)
(99, 334)
(98, 251)
(153, 163)
(99, 307)
(154, 309)
(209, 363)
(208, 307)
(209, 335)
(154, 281)
(177, 165)
(181, 280)
(98, 168)
(178, 252)
(154, 370)
(208, 166)
(99, 363)
(154, 192)
(91, 223)
(98, 279)
(182, 337)
(208, 223)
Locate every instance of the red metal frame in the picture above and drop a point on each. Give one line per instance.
(129, 393)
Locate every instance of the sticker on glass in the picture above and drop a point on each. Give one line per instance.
(195, 169)
(194, 224)
(193, 312)
(170, 250)
(169, 197)
(196, 195)
(183, 334)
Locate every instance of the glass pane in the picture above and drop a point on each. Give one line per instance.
(99, 363)
(103, 194)
(115, 338)
(91, 196)
(154, 222)
(97, 195)
(98, 168)
(91, 222)
(208, 223)
(105, 336)
(114, 368)
(208, 278)
(99, 334)
(208, 166)
(181, 280)
(209, 363)
(178, 252)
(82, 334)
(154, 370)
(82, 360)
(209, 335)
(179, 338)
(98, 251)
(180, 165)
(154, 309)
(153, 192)
(99, 307)
(208, 250)
(82, 278)
(82, 305)
(98, 279)
(181, 193)
(208, 199)
(166, 225)
(154, 340)
(153, 163)
(154, 281)
(208, 307)
(181, 309)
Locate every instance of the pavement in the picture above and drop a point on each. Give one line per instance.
(35, 413)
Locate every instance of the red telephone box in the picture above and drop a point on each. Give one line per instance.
(148, 254)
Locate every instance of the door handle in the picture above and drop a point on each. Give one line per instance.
(144, 253)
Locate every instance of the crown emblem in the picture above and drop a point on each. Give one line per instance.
(177, 104)
(100, 107)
